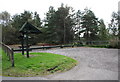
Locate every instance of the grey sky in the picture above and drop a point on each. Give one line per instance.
(102, 8)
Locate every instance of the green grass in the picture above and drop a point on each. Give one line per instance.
(39, 64)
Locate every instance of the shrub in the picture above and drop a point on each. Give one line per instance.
(114, 43)
(10, 35)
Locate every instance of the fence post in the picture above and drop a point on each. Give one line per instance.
(4, 48)
(8, 54)
(12, 57)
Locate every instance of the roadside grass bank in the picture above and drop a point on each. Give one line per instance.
(39, 64)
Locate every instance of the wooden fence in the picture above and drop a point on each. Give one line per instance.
(44, 47)
(9, 52)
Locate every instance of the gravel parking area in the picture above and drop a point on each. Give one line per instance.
(94, 64)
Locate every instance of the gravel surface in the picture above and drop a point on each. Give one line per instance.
(94, 64)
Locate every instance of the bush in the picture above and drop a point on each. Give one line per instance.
(78, 44)
(10, 35)
(114, 43)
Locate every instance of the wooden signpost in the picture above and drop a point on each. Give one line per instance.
(27, 29)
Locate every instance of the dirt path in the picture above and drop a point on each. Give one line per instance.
(94, 64)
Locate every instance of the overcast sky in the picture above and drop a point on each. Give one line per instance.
(102, 8)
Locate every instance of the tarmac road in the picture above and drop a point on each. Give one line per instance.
(94, 64)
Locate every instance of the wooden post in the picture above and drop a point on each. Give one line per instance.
(8, 53)
(12, 57)
(22, 44)
(5, 49)
(27, 46)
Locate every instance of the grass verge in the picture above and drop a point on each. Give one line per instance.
(39, 64)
